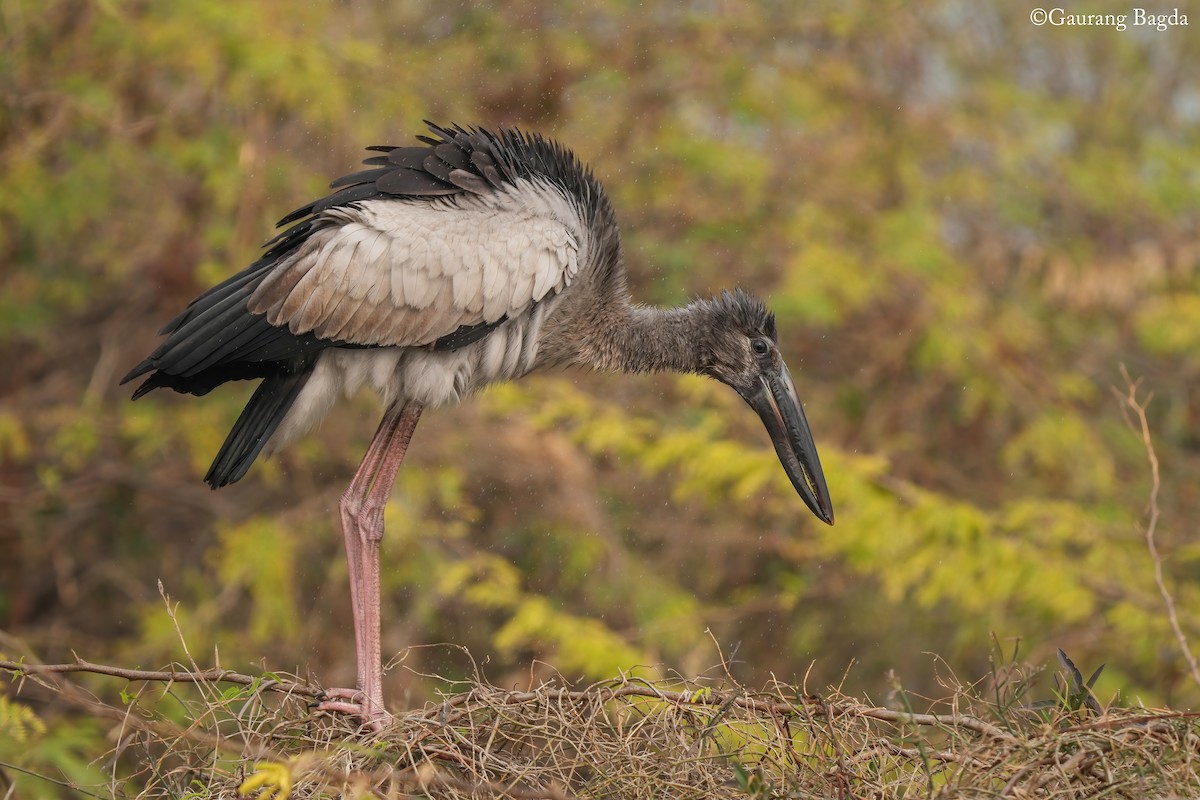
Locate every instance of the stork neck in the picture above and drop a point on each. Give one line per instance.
(649, 339)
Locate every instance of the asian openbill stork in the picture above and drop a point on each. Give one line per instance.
(477, 256)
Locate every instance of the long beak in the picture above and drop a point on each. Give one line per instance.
(774, 398)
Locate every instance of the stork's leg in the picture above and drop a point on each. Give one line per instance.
(362, 507)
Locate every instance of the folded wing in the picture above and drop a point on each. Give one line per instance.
(403, 273)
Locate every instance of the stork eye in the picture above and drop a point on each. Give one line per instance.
(760, 346)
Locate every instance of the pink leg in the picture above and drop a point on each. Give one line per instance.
(362, 507)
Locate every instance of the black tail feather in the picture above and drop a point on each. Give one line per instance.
(259, 419)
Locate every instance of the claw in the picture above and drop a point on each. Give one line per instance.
(354, 703)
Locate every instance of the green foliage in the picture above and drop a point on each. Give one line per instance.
(1066, 454)
(40, 760)
(18, 723)
(1170, 325)
(259, 556)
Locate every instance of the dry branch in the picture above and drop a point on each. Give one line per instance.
(1142, 428)
(212, 675)
(632, 739)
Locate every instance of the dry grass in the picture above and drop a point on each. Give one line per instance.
(632, 739)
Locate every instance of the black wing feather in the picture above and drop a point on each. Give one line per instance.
(453, 155)
(469, 181)
(437, 168)
(413, 182)
(410, 157)
(466, 334)
(362, 176)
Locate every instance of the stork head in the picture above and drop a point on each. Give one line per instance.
(741, 349)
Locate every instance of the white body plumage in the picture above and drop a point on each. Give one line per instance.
(430, 377)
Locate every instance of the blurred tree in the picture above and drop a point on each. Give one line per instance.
(965, 222)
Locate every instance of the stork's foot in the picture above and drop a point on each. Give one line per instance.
(355, 703)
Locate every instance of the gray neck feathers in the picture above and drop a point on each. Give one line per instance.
(633, 338)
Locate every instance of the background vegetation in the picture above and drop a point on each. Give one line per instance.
(966, 225)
